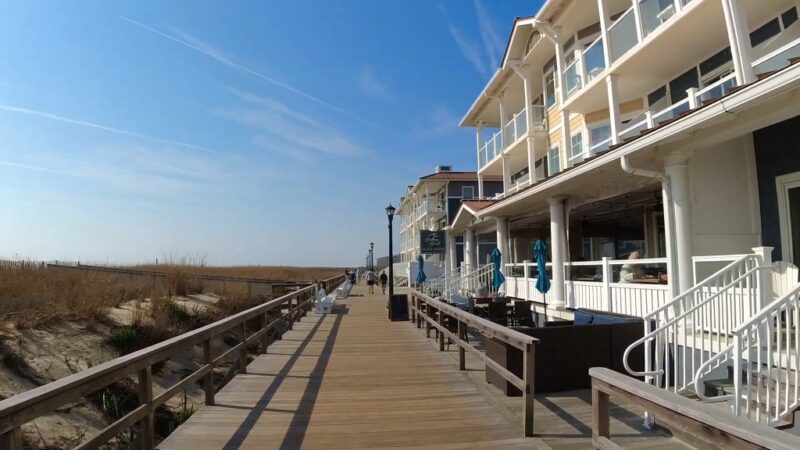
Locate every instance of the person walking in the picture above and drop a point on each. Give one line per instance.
(370, 277)
(384, 280)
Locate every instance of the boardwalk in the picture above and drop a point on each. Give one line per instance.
(355, 380)
(350, 380)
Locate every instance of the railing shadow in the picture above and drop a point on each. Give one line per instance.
(301, 415)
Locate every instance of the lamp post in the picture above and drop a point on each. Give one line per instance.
(371, 256)
(390, 214)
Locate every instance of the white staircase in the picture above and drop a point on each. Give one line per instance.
(717, 341)
(461, 282)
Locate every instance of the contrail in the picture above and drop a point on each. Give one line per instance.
(228, 62)
(97, 126)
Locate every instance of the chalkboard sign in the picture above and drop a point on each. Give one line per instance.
(432, 242)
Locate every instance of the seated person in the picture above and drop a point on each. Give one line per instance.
(630, 272)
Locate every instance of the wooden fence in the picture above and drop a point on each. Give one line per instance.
(435, 314)
(27, 406)
(700, 425)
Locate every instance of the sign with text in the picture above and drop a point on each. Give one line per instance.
(432, 242)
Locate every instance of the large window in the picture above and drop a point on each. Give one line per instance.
(467, 192)
(553, 163)
(550, 89)
(576, 153)
(599, 137)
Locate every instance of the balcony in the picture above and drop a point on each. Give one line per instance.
(431, 207)
(511, 132)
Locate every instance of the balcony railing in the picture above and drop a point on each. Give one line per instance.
(654, 14)
(572, 78)
(777, 59)
(622, 35)
(512, 131)
(594, 60)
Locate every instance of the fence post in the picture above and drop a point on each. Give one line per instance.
(607, 274)
(692, 94)
(243, 350)
(209, 378)
(12, 440)
(462, 357)
(764, 255)
(529, 367)
(600, 417)
(440, 316)
(145, 398)
(289, 313)
(737, 373)
(526, 265)
(413, 307)
(264, 323)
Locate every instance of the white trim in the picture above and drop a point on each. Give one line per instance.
(783, 184)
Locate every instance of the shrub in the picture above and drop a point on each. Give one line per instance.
(126, 339)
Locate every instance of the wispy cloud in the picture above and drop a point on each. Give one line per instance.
(197, 45)
(442, 122)
(372, 86)
(97, 126)
(492, 42)
(468, 48)
(281, 129)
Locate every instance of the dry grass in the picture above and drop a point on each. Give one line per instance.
(30, 297)
(280, 273)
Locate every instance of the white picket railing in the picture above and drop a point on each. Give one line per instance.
(688, 331)
(468, 281)
(521, 281)
(765, 355)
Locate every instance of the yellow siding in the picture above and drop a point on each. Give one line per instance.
(575, 123)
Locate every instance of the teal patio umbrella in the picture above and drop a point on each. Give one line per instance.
(497, 276)
(540, 253)
(421, 274)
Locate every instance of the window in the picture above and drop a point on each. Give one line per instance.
(715, 62)
(550, 89)
(789, 17)
(468, 192)
(553, 166)
(576, 155)
(599, 134)
(766, 31)
(519, 176)
(655, 96)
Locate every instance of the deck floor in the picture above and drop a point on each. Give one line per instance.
(353, 379)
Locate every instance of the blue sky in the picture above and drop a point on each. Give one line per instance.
(256, 132)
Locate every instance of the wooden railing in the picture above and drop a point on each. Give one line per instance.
(433, 313)
(698, 424)
(27, 406)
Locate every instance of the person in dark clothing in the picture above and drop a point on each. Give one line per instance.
(384, 280)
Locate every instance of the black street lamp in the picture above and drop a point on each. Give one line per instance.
(390, 214)
(371, 256)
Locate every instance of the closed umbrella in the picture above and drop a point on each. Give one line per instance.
(421, 274)
(497, 277)
(540, 253)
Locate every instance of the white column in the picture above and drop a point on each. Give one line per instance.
(613, 108)
(480, 186)
(764, 276)
(602, 10)
(452, 255)
(566, 136)
(678, 172)
(637, 17)
(503, 120)
(560, 66)
(470, 250)
(502, 242)
(527, 84)
(557, 250)
(739, 40)
(669, 237)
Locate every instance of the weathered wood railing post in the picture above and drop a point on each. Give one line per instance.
(462, 334)
(12, 440)
(264, 337)
(600, 418)
(413, 308)
(146, 398)
(243, 350)
(427, 323)
(528, 364)
(289, 313)
(442, 337)
(209, 378)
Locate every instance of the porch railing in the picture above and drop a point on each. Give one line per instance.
(765, 355)
(451, 323)
(688, 331)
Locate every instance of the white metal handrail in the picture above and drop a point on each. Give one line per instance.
(722, 84)
(766, 360)
(697, 324)
(777, 52)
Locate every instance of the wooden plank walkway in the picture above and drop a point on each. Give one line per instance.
(351, 380)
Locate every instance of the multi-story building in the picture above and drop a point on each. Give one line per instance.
(432, 203)
(652, 146)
